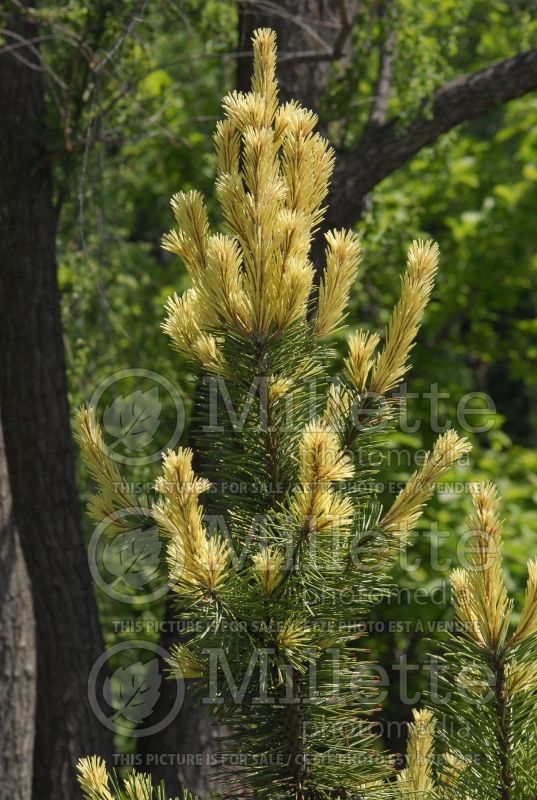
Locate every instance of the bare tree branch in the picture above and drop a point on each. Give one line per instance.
(384, 148)
(333, 54)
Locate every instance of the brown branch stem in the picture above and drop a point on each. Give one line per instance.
(504, 728)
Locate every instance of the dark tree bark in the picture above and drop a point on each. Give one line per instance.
(33, 399)
(17, 653)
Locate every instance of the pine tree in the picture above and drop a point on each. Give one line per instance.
(278, 654)
(483, 743)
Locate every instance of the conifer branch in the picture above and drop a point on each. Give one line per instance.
(492, 713)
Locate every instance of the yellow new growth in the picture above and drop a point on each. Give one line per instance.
(184, 664)
(359, 362)
(527, 626)
(321, 456)
(416, 286)
(316, 504)
(183, 327)
(408, 505)
(293, 635)
(267, 565)
(273, 176)
(342, 261)
(479, 594)
(453, 768)
(463, 605)
(256, 281)
(417, 778)
(112, 495)
(93, 779)
(194, 560)
(138, 787)
(521, 677)
(338, 405)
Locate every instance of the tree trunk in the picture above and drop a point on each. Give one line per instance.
(33, 399)
(17, 654)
